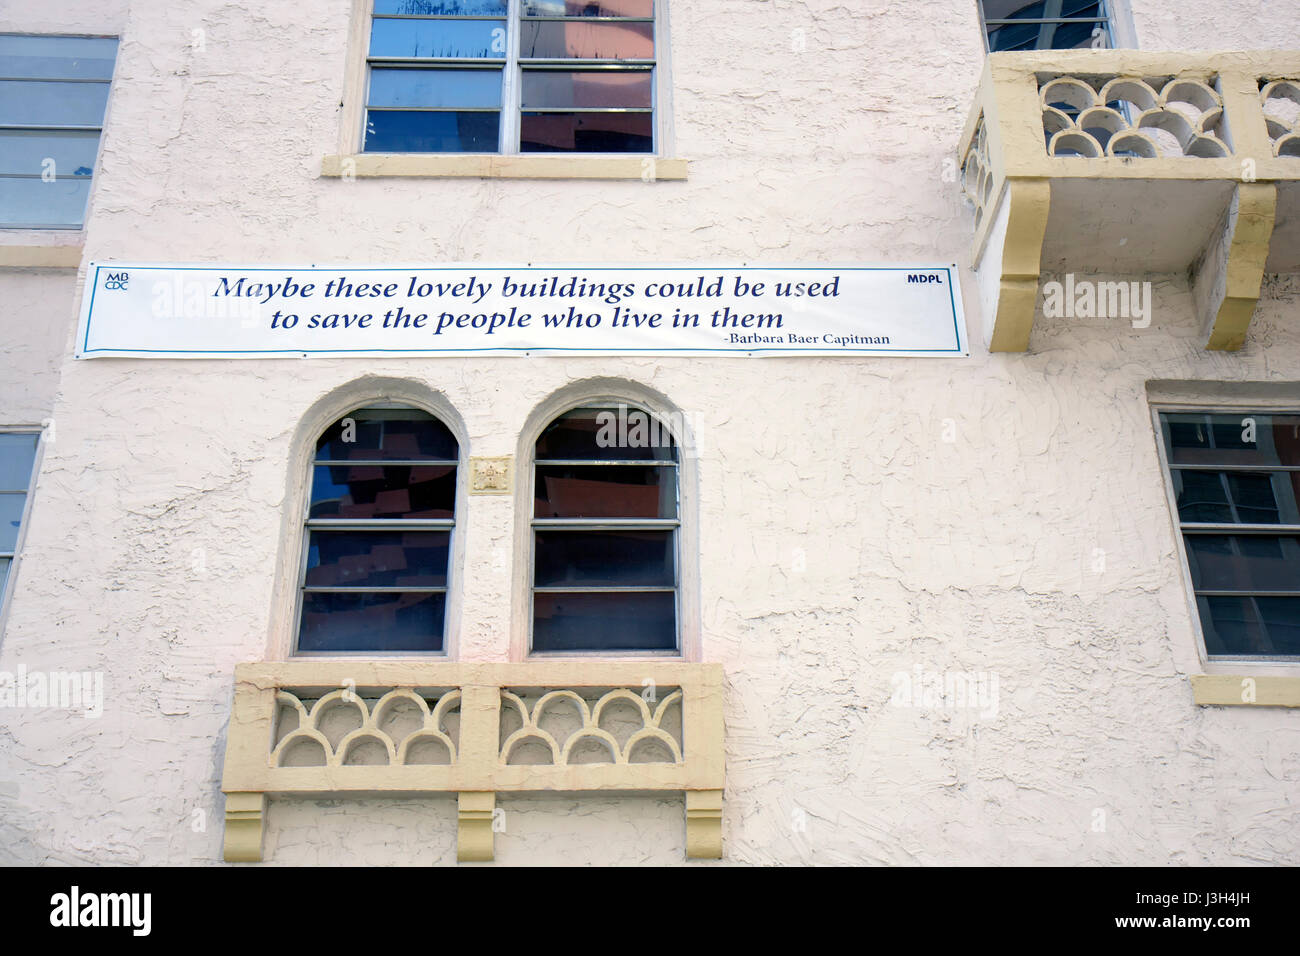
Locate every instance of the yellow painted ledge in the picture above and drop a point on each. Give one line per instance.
(430, 165)
(1240, 690)
(40, 257)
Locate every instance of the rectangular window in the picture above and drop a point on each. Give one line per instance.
(53, 92)
(1046, 24)
(17, 460)
(511, 76)
(1236, 483)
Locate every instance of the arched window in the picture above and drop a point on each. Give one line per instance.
(605, 527)
(377, 541)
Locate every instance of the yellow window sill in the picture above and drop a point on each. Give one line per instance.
(40, 255)
(1242, 690)
(477, 166)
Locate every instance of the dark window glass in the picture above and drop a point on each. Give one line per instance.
(378, 559)
(587, 88)
(372, 621)
(1238, 439)
(1243, 497)
(600, 40)
(1251, 627)
(386, 435)
(590, 533)
(402, 131)
(604, 559)
(383, 491)
(384, 468)
(604, 620)
(1082, 18)
(606, 491)
(586, 133)
(1206, 454)
(600, 434)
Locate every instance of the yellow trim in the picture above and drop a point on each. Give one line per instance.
(1250, 224)
(1029, 202)
(40, 257)
(445, 165)
(1239, 690)
(478, 764)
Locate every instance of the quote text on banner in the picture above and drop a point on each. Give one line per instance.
(216, 311)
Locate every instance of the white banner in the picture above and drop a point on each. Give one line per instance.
(208, 311)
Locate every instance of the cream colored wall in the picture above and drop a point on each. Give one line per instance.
(842, 538)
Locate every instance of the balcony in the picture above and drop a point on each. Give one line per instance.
(1126, 162)
(334, 728)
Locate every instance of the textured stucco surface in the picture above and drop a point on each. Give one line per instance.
(843, 537)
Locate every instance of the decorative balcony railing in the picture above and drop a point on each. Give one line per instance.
(1127, 161)
(333, 728)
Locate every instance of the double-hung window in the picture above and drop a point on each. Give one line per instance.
(511, 76)
(17, 461)
(1236, 484)
(378, 535)
(53, 93)
(1046, 24)
(605, 526)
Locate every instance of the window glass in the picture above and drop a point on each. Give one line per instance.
(1046, 24)
(53, 94)
(1236, 480)
(605, 527)
(379, 534)
(17, 460)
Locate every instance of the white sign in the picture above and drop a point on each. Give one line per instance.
(220, 311)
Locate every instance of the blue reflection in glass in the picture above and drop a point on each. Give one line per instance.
(435, 88)
(423, 39)
(399, 131)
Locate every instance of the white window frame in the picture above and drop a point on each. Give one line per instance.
(1265, 404)
(357, 91)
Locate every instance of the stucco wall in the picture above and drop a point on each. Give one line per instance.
(844, 538)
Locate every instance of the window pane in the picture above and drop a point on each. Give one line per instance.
(605, 491)
(1237, 496)
(1244, 562)
(586, 133)
(603, 434)
(44, 57)
(25, 152)
(419, 39)
(1243, 438)
(17, 455)
(383, 491)
(608, 621)
(24, 103)
(588, 8)
(377, 559)
(604, 558)
(435, 88)
(33, 202)
(338, 621)
(387, 435)
(560, 88)
(4, 574)
(402, 132)
(1251, 626)
(442, 8)
(592, 41)
(11, 514)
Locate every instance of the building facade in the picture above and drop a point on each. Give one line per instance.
(1034, 604)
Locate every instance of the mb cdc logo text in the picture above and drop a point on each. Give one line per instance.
(117, 280)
